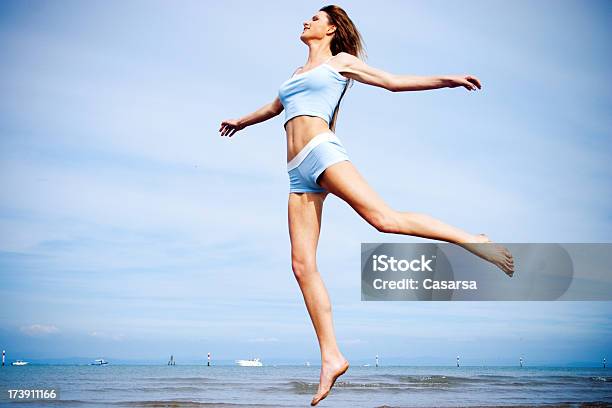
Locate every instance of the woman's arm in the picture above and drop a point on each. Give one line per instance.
(270, 110)
(358, 70)
(264, 113)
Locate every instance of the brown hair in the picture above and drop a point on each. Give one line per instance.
(346, 39)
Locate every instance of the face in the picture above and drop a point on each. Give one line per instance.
(317, 27)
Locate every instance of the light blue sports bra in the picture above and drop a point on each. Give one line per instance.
(315, 92)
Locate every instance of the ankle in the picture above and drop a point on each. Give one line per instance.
(332, 357)
(470, 239)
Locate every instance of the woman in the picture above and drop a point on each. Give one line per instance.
(318, 164)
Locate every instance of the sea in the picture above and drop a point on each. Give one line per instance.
(293, 386)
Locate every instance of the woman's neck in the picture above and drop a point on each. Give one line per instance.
(318, 53)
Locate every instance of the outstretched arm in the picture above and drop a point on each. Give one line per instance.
(270, 110)
(264, 113)
(358, 70)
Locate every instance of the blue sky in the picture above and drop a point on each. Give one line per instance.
(132, 230)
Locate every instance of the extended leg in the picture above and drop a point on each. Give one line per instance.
(343, 180)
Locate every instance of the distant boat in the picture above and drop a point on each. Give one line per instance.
(254, 362)
(99, 361)
(19, 363)
(307, 364)
(366, 365)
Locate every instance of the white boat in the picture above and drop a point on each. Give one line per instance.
(254, 362)
(19, 363)
(99, 361)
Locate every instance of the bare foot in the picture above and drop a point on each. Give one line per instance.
(330, 371)
(494, 253)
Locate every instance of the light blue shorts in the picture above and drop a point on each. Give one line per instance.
(320, 152)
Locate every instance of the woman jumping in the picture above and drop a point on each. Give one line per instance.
(318, 164)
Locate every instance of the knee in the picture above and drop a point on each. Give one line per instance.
(302, 267)
(384, 221)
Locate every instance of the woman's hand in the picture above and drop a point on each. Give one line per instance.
(470, 82)
(230, 126)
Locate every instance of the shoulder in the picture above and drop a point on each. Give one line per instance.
(343, 60)
(297, 71)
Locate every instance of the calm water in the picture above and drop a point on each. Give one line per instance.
(293, 386)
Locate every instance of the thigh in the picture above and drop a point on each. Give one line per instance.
(304, 215)
(343, 180)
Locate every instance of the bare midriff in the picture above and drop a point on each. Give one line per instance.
(300, 130)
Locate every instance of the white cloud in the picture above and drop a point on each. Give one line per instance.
(39, 329)
(105, 335)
